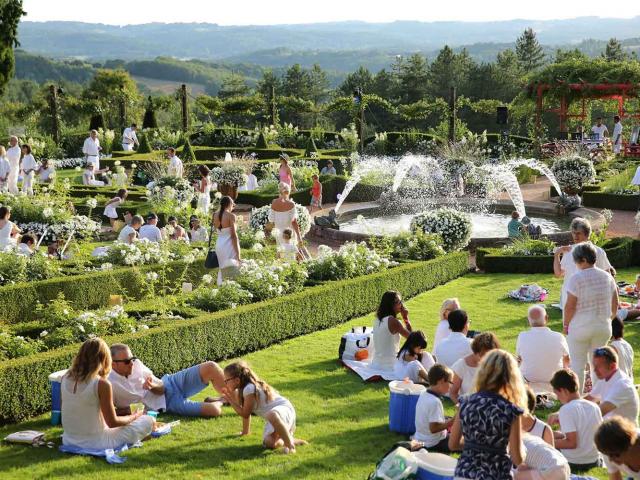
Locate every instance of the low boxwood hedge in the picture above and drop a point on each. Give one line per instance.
(622, 252)
(87, 291)
(611, 200)
(24, 386)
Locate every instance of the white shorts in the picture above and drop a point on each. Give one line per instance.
(288, 416)
(617, 148)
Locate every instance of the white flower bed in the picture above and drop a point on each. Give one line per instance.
(351, 260)
(452, 225)
(573, 171)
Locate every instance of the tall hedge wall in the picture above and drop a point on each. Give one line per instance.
(24, 386)
(87, 291)
(611, 200)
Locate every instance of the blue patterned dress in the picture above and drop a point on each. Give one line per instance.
(486, 420)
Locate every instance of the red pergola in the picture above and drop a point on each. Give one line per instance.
(587, 91)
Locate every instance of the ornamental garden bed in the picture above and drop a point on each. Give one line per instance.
(25, 390)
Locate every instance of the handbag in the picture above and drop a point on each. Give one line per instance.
(212, 258)
(359, 338)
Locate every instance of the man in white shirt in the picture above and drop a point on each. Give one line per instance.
(456, 345)
(619, 440)
(28, 167)
(91, 149)
(541, 351)
(614, 392)
(599, 130)
(150, 230)
(563, 263)
(175, 164)
(578, 420)
(617, 135)
(129, 138)
(133, 382)
(14, 152)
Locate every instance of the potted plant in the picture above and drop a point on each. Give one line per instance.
(229, 178)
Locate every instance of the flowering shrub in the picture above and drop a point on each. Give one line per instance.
(452, 225)
(351, 260)
(68, 162)
(16, 268)
(228, 295)
(349, 138)
(81, 226)
(260, 217)
(144, 253)
(573, 171)
(13, 346)
(525, 246)
(268, 281)
(288, 136)
(170, 195)
(233, 175)
(162, 138)
(410, 246)
(250, 238)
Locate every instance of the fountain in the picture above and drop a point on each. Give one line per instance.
(501, 176)
(540, 167)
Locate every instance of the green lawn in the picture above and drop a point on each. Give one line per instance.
(344, 419)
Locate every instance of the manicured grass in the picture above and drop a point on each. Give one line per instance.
(344, 419)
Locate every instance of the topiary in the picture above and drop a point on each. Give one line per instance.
(262, 141)
(96, 122)
(116, 143)
(311, 148)
(144, 146)
(187, 152)
(149, 120)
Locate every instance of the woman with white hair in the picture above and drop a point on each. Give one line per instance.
(592, 301)
(443, 330)
(283, 214)
(563, 264)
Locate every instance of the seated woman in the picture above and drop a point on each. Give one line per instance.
(465, 369)
(198, 232)
(47, 171)
(8, 229)
(174, 231)
(413, 362)
(443, 330)
(387, 330)
(89, 178)
(88, 416)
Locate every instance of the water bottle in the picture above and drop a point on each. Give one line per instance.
(397, 468)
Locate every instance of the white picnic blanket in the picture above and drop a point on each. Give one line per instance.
(367, 371)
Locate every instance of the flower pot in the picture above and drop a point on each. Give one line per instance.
(229, 190)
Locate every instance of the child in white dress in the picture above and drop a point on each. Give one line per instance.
(110, 209)
(247, 394)
(413, 362)
(288, 249)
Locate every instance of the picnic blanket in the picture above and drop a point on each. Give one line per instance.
(109, 454)
(367, 371)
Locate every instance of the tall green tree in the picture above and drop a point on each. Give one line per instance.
(297, 83)
(268, 83)
(233, 86)
(318, 84)
(10, 14)
(360, 78)
(529, 51)
(564, 55)
(413, 78)
(449, 70)
(110, 88)
(613, 52)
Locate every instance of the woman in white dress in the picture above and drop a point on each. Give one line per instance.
(227, 243)
(464, 370)
(443, 330)
(8, 229)
(204, 189)
(29, 167)
(5, 170)
(89, 418)
(110, 208)
(283, 215)
(47, 171)
(387, 330)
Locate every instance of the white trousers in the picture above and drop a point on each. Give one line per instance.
(585, 335)
(127, 147)
(12, 181)
(27, 183)
(113, 438)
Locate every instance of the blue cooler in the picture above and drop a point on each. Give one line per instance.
(402, 406)
(55, 380)
(434, 466)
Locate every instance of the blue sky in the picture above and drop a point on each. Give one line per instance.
(261, 12)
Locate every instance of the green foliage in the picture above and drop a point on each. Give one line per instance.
(453, 226)
(144, 146)
(261, 142)
(349, 261)
(611, 200)
(10, 14)
(614, 52)
(18, 268)
(409, 246)
(311, 149)
(229, 295)
(149, 119)
(187, 152)
(529, 51)
(25, 390)
(528, 247)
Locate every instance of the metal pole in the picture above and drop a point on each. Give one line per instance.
(274, 109)
(361, 127)
(55, 122)
(185, 113)
(122, 113)
(452, 114)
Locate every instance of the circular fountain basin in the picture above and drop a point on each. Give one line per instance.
(489, 229)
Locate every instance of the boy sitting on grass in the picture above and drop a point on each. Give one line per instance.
(431, 424)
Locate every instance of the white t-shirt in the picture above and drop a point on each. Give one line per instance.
(541, 350)
(46, 173)
(594, 289)
(5, 167)
(570, 268)
(623, 469)
(442, 332)
(129, 136)
(625, 356)
(466, 373)
(429, 409)
(13, 155)
(29, 163)
(600, 130)
(452, 349)
(540, 455)
(584, 418)
(91, 147)
(128, 390)
(617, 130)
(123, 236)
(261, 407)
(199, 235)
(621, 392)
(150, 232)
(175, 167)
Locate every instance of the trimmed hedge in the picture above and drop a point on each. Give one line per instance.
(622, 252)
(87, 291)
(24, 386)
(611, 200)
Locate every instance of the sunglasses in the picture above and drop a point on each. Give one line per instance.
(126, 361)
(604, 352)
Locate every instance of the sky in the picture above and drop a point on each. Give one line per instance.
(261, 12)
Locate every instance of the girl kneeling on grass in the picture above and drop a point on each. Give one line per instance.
(247, 394)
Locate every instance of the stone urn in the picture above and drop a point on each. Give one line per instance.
(228, 190)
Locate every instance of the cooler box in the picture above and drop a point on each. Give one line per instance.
(402, 406)
(56, 398)
(434, 466)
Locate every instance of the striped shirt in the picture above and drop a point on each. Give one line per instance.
(540, 455)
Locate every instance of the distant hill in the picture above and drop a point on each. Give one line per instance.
(214, 42)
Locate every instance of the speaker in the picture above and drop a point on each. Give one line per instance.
(502, 115)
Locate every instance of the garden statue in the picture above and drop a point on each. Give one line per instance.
(327, 220)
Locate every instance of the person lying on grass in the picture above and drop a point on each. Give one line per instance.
(247, 394)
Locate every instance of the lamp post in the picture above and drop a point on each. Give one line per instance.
(357, 100)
